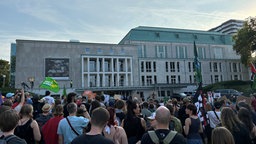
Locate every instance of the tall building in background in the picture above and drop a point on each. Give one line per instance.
(13, 65)
(148, 62)
(229, 27)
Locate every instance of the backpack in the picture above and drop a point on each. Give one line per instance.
(6, 140)
(166, 140)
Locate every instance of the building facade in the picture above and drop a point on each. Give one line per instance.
(229, 27)
(147, 62)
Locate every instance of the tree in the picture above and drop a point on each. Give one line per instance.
(245, 41)
(4, 71)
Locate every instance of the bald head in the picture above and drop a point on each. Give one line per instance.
(163, 115)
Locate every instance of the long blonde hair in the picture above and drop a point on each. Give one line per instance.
(221, 135)
(230, 120)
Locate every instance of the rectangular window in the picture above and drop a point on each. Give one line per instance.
(210, 66)
(178, 66)
(93, 80)
(239, 67)
(107, 65)
(211, 79)
(220, 67)
(201, 52)
(142, 81)
(173, 79)
(181, 51)
(178, 79)
(166, 66)
(148, 66)
(234, 67)
(221, 79)
(189, 66)
(154, 66)
(230, 67)
(236, 77)
(142, 66)
(161, 51)
(92, 65)
(143, 51)
(216, 78)
(149, 80)
(190, 79)
(155, 79)
(215, 67)
(167, 79)
(172, 67)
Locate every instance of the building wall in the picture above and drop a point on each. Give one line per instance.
(158, 64)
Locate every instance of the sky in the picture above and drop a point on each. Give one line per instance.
(108, 21)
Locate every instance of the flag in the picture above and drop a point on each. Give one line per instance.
(253, 71)
(198, 74)
(64, 92)
(50, 84)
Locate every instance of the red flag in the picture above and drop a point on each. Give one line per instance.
(253, 71)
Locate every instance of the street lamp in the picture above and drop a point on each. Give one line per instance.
(4, 76)
(31, 81)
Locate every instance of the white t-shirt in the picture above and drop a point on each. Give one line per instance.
(213, 119)
(50, 100)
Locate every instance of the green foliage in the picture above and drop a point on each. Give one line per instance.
(245, 41)
(242, 86)
(4, 70)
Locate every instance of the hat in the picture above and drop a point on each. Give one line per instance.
(9, 95)
(79, 96)
(47, 107)
(153, 116)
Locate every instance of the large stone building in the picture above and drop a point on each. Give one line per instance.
(147, 61)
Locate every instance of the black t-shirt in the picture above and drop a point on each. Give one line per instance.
(14, 140)
(91, 139)
(161, 134)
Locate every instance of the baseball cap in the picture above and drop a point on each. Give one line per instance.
(9, 95)
(153, 116)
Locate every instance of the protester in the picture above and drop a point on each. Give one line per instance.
(245, 116)
(162, 132)
(28, 128)
(99, 119)
(133, 125)
(8, 121)
(239, 131)
(221, 135)
(174, 123)
(70, 98)
(72, 126)
(213, 119)
(20, 100)
(48, 98)
(45, 116)
(144, 111)
(120, 108)
(37, 106)
(114, 132)
(49, 130)
(193, 126)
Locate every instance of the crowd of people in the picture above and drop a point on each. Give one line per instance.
(26, 119)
